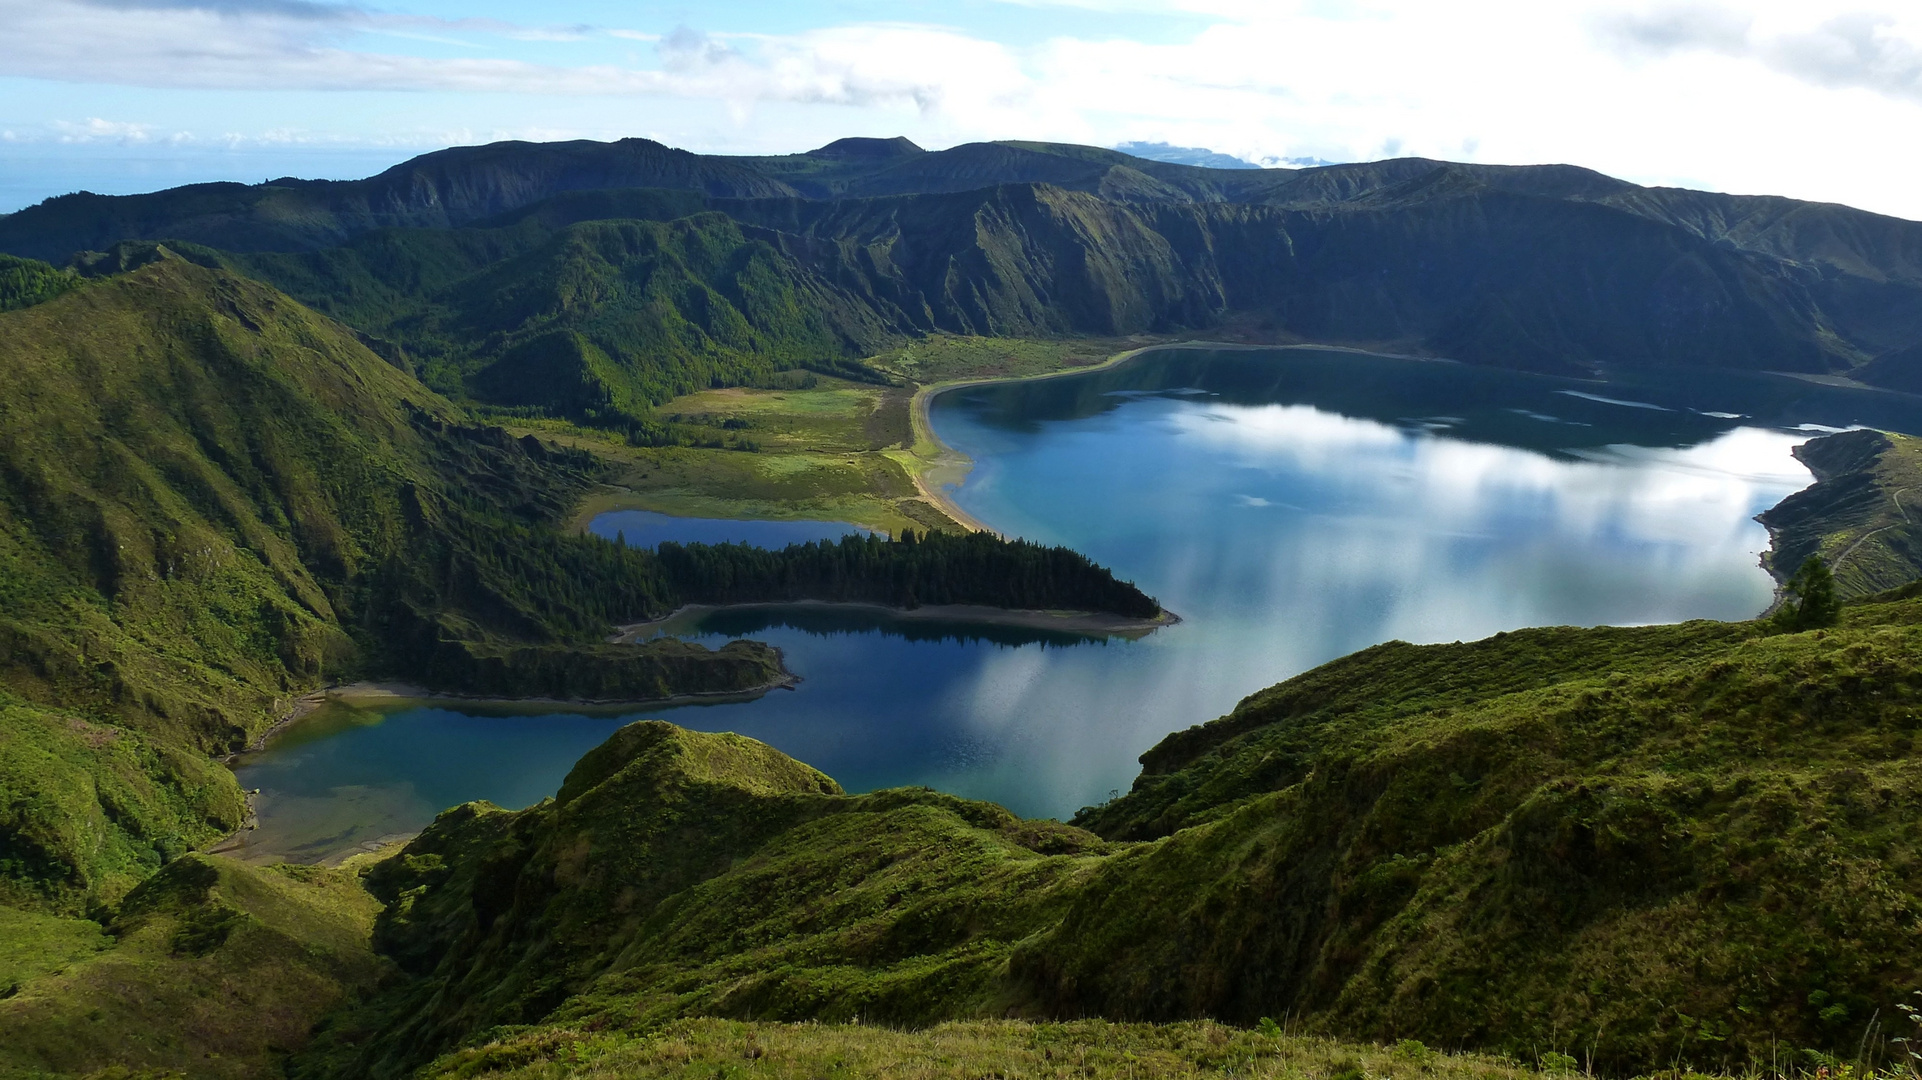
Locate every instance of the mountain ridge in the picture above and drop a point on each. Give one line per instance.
(1548, 267)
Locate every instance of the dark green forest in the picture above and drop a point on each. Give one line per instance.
(25, 282)
(916, 569)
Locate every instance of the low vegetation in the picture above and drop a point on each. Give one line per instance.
(820, 453)
(211, 968)
(1862, 516)
(1013, 1050)
(945, 358)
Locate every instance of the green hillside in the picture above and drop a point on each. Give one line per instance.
(597, 321)
(1860, 516)
(598, 307)
(1550, 268)
(1609, 838)
(210, 969)
(213, 500)
(1635, 846)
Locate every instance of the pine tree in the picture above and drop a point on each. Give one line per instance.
(1811, 602)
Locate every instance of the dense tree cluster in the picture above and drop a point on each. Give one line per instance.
(485, 577)
(524, 582)
(1809, 601)
(926, 568)
(25, 282)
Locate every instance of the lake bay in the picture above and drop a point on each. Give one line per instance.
(1291, 505)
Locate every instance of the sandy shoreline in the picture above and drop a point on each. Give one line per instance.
(1082, 622)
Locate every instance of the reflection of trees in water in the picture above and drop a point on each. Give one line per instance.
(819, 623)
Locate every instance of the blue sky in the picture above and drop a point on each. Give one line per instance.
(1814, 99)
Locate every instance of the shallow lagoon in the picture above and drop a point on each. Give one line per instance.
(1291, 505)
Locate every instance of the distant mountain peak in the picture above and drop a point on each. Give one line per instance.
(859, 149)
(1184, 155)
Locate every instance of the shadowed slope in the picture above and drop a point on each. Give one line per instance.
(1550, 268)
(212, 967)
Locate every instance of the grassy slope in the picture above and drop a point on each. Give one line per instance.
(212, 967)
(166, 487)
(179, 450)
(597, 321)
(93, 807)
(1010, 1049)
(840, 451)
(1672, 840)
(679, 872)
(1642, 844)
(1863, 515)
(210, 500)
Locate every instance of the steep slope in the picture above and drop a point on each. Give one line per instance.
(192, 467)
(1552, 268)
(1634, 846)
(682, 872)
(734, 291)
(1860, 515)
(211, 969)
(597, 320)
(210, 500)
(445, 188)
(1537, 837)
(214, 497)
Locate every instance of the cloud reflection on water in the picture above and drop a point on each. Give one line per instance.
(1284, 534)
(1367, 532)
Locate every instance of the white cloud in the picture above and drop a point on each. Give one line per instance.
(1811, 99)
(1870, 50)
(97, 130)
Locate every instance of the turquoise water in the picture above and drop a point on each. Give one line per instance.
(1291, 506)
